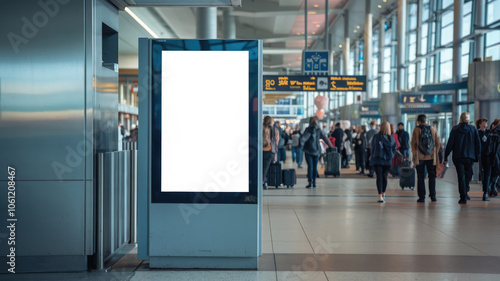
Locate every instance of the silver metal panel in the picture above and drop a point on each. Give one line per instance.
(143, 172)
(121, 4)
(105, 82)
(486, 83)
(42, 101)
(50, 216)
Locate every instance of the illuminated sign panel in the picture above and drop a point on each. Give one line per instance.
(305, 83)
(198, 87)
(186, 100)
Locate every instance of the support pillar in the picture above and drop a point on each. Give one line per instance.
(418, 65)
(327, 24)
(381, 50)
(367, 59)
(458, 11)
(347, 43)
(401, 44)
(229, 28)
(206, 23)
(356, 57)
(480, 14)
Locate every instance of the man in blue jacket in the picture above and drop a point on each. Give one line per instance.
(466, 146)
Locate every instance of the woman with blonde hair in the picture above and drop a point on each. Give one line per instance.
(383, 150)
(270, 140)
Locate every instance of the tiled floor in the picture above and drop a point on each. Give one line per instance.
(339, 232)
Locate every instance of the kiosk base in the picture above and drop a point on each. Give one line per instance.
(204, 262)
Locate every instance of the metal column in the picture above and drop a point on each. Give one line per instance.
(458, 11)
(418, 65)
(206, 23)
(381, 50)
(229, 25)
(394, 51)
(401, 43)
(305, 24)
(356, 57)
(429, 46)
(368, 49)
(437, 58)
(327, 24)
(480, 12)
(347, 43)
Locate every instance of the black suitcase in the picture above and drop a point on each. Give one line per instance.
(406, 176)
(274, 175)
(289, 178)
(332, 164)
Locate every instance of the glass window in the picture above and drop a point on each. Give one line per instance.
(447, 3)
(375, 66)
(493, 37)
(447, 35)
(446, 65)
(447, 18)
(412, 12)
(375, 88)
(387, 59)
(492, 11)
(425, 12)
(466, 27)
(422, 71)
(493, 52)
(411, 76)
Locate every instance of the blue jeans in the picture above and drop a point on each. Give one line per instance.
(282, 154)
(294, 152)
(312, 167)
(299, 156)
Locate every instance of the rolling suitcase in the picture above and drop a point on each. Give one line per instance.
(289, 177)
(332, 165)
(274, 175)
(406, 176)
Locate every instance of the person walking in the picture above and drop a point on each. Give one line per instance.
(338, 134)
(466, 146)
(490, 158)
(282, 142)
(312, 149)
(425, 146)
(383, 150)
(270, 140)
(297, 153)
(347, 148)
(404, 141)
(360, 148)
(369, 136)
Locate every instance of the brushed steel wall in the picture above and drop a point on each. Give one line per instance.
(56, 111)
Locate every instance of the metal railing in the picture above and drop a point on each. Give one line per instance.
(116, 201)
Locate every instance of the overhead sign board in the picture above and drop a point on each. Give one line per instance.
(311, 83)
(314, 61)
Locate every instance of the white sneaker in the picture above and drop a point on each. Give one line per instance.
(381, 200)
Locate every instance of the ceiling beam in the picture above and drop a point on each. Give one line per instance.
(281, 12)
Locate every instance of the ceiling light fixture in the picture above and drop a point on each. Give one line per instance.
(318, 25)
(340, 46)
(357, 27)
(379, 6)
(311, 13)
(314, 32)
(316, 5)
(355, 31)
(139, 21)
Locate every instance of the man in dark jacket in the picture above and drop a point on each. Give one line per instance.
(404, 140)
(282, 142)
(312, 149)
(369, 137)
(466, 146)
(490, 158)
(338, 134)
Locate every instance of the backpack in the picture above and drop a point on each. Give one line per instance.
(295, 139)
(426, 143)
(385, 151)
(491, 149)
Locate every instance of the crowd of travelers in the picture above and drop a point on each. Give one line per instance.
(380, 150)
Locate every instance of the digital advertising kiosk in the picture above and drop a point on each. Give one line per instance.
(199, 169)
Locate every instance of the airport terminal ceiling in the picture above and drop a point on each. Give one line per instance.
(280, 23)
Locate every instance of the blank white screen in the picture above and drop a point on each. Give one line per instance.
(204, 121)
